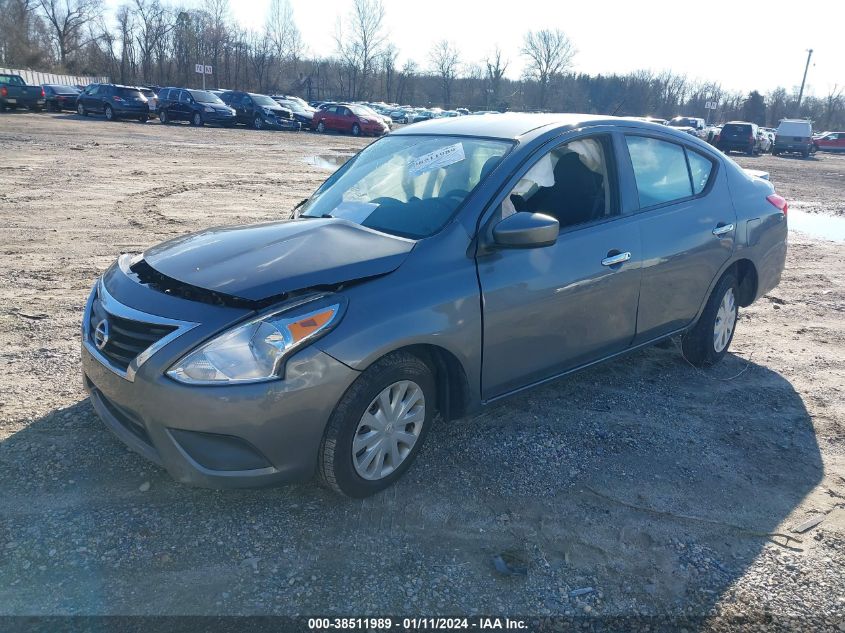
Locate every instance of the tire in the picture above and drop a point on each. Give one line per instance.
(162, 116)
(109, 112)
(196, 120)
(356, 129)
(401, 375)
(258, 123)
(321, 127)
(709, 339)
(806, 153)
(750, 151)
(775, 152)
(142, 119)
(80, 110)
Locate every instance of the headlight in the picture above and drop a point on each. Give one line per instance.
(254, 351)
(208, 108)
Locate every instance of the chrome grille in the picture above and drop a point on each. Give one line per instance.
(127, 339)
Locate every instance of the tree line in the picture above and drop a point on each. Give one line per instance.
(155, 42)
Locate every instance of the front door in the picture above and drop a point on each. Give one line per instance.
(551, 309)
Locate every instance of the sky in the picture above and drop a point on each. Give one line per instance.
(744, 45)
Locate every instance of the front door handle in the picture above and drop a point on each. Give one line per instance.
(722, 229)
(613, 260)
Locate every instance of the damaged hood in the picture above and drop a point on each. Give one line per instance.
(260, 261)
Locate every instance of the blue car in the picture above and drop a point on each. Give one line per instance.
(445, 267)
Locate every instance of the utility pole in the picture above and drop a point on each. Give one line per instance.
(803, 81)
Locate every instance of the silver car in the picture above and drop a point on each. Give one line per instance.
(443, 268)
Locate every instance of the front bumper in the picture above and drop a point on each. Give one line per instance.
(283, 124)
(219, 117)
(218, 436)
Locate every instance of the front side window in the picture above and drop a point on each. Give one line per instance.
(570, 183)
(409, 186)
(660, 169)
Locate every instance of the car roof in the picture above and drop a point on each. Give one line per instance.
(509, 125)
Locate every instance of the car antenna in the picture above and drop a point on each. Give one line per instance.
(621, 103)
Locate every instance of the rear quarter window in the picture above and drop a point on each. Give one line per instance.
(701, 169)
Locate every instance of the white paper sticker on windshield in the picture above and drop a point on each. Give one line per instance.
(442, 157)
(354, 211)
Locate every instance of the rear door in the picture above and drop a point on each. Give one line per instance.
(551, 309)
(687, 221)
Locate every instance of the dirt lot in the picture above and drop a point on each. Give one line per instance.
(658, 486)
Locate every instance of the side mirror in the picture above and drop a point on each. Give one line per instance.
(526, 230)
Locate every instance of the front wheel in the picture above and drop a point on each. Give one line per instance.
(196, 120)
(379, 426)
(109, 113)
(258, 123)
(80, 110)
(356, 130)
(321, 127)
(708, 341)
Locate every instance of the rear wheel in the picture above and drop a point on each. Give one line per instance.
(806, 153)
(162, 116)
(378, 426)
(708, 341)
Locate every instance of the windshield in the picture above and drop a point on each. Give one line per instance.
(264, 100)
(362, 110)
(680, 121)
(409, 186)
(202, 96)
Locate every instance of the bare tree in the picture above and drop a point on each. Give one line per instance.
(153, 25)
(260, 54)
(549, 54)
(833, 102)
(496, 68)
(445, 60)
(282, 30)
(67, 19)
(360, 42)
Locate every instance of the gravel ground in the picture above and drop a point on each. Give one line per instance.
(643, 487)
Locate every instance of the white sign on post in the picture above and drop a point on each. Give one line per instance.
(199, 68)
(208, 70)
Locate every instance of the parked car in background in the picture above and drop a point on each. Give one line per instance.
(301, 111)
(260, 111)
(384, 117)
(739, 136)
(152, 100)
(349, 118)
(767, 139)
(441, 269)
(401, 115)
(58, 97)
(697, 124)
(196, 106)
(114, 101)
(831, 142)
(424, 115)
(794, 136)
(14, 93)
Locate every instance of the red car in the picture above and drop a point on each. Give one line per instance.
(345, 117)
(831, 142)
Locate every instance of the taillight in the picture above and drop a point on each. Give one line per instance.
(779, 202)
(116, 98)
(42, 93)
(718, 138)
(3, 91)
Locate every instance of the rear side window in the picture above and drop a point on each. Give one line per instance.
(660, 169)
(700, 170)
(129, 93)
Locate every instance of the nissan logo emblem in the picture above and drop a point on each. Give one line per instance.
(101, 334)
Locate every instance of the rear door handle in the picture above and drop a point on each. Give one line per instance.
(612, 260)
(722, 229)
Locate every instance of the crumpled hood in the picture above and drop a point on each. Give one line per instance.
(259, 261)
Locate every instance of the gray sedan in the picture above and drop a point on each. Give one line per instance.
(443, 268)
